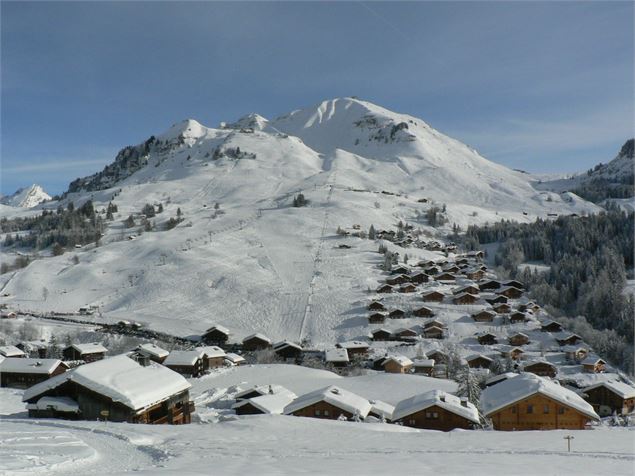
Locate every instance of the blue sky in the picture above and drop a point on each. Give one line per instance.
(545, 87)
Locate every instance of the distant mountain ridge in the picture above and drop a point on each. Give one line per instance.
(27, 197)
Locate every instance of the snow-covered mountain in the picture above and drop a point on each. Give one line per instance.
(26, 197)
(243, 256)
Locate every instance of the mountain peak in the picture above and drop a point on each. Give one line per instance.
(188, 128)
(26, 197)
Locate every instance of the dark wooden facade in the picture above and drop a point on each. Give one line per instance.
(436, 418)
(606, 402)
(544, 369)
(322, 410)
(28, 379)
(254, 343)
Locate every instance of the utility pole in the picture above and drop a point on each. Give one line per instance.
(569, 438)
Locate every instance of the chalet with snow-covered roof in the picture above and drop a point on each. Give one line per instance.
(499, 378)
(551, 326)
(259, 390)
(483, 316)
(489, 285)
(518, 339)
(474, 274)
(493, 300)
(397, 314)
(434, 332)
(541, 368)
(267, 404)
(87, 352)
(512, 283)
(423, 312)
(478, 361)
(610, 397)
(255, 342)
(12, 352)
(593, 364)
(433, 296)
(575, 353)
(25, 372)
(376, 318)
(510, 292)
(513, 353)
(152, 352)
(380, 410)
(216, 335)
(423, 366)
(233, 359)
(476, 254)
(470, 288)
(438, 356)
(436, 410)
(445, 277)
(407, 288)
(354, 348)
(330, 403)
(288, 350)
(397, 364)
(213, 356)
(385, 288)
(190, 363)
(38, 347)
(434, 323)
(432, 270)
(338, 358)
(569, 339)
(114, 389)
(465, 298)
(530, 402)
(398, 279)
(517, 317)
(487, 338)
(405, 334)
(453, 269)
(381, 334)
(376, 306)
(502, 308)
(419, 278)
(400, 270)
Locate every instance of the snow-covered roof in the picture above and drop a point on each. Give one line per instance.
(286, 343)
(338, 397)
(121, 379)
(438, 398)
(592, 360)
(399, 359)
(183, 357)
(11, 351)
(262, 390)
(270, 403)
(29, 366)
(353, 344)
(619, 388)
(218, 328)
(524, 385)
(211, 351)
(500, 377)
(423, 362)
(61, 404)
(336, 355)
(152, 350)
(234, 358)
(89, 348)
(381, 408)
(258, 335)
(477, 356)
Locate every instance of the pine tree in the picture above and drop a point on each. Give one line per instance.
(371, 233)
(469, 385)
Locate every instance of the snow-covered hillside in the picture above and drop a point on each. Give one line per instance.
(242, 255)
(26, 197)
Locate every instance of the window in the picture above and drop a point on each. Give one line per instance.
(317, 412)
(545, 409)
(326, 413)
(514, 410)
(412, 422)
(432, 415)
(530, 408)
(561, 410)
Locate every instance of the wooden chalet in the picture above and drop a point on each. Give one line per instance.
(474, 274)
(405, 334)
(478, 361)
(376, 318)
(232, 359)
(476, 254)
(272, 403)
(492, 300)
(408, 288)
(445, 277)
(329, 403)
(490, 284)
(288, 350)
(610, 397)
(354, 348)
(453, 269)
(465, 298)
(376, 306)
(487, 338)
(423, 366)
(152, 352)
(530, 402)
(39, 348)
(216, 335)
(438, 356)
(433, 332)
(593, 365)
(25, 372)
(436, 410)
(115, 389)
(470, 288)
(256, 342)
(512, 283)
(569, 339)
(551, 326)
(423, 312)
(190, 363)
(397, 364)
(542, 368)
(337, 358)
(517, 317)
(502, 308)
(12, 352)
(575, 354)
(397, 314)
(400, 270)
(513, 353)
(419, 278)
(87, 352)
(483, 316)
(510, 292)
(213, 357)
(399, 279)
(433, 296)
(380, 410)
(384, 288)
(381, 335)
(432, 270)
(518, 339)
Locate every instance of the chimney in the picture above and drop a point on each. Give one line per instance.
(464, 402)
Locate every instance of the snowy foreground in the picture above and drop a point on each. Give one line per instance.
(220, 443)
